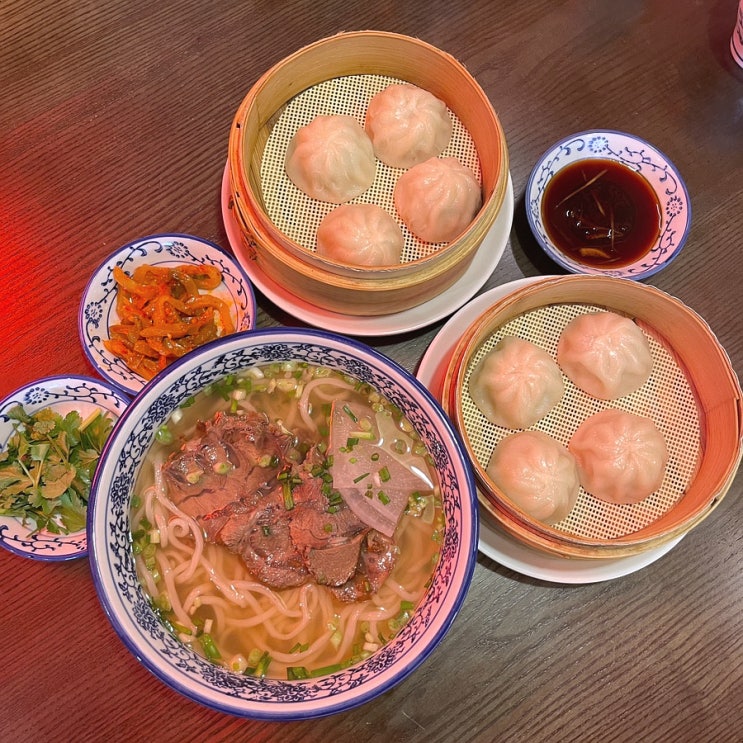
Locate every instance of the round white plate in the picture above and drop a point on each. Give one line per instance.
(98, 305)
(483, 264)
(63, 394)
(493, 542)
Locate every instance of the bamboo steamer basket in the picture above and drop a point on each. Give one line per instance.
(334, 66)
(693, 396)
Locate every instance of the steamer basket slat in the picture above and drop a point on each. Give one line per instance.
(340, 287)
(691, 370)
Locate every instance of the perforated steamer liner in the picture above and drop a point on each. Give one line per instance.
(278, 223)
(693, 396)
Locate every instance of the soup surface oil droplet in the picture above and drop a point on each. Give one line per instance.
(601, 213)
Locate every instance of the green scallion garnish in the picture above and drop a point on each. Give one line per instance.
(350, 413)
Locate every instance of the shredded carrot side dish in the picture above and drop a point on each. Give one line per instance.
(164, 313)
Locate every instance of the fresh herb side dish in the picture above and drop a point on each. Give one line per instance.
(47, 465)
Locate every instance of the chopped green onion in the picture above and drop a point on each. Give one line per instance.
(288, 497)
(162, 602)
(238, 664)
(383, 497)
(222, 468)
(210, 649)
(361, 477)
(262, 667)
(362, 436)
(350, 413)
(327, 669)
(384, 474)
(294, 673)
(399, 446)
(180, 628)
(194, 477)
(164, 435)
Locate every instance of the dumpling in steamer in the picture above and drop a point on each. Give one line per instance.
(438, 199)
(537, 473)
(621, 456)
(407, 125)
(604, 354)
(331, 159)
(360, 235)
(516, 384)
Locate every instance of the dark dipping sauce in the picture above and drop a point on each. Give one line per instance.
(601, 213)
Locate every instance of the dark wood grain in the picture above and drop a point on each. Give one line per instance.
(114, 120)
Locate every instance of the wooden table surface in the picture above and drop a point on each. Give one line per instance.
(114, 120)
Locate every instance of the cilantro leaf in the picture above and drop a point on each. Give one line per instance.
(47, 467)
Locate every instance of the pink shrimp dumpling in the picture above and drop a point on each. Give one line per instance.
(537, 473)
(604, 354)
(331, 159)
(516, 384)
(438, 199)
(621, 456)
(407, 125)
(360, 235)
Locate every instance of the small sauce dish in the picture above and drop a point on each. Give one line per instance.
(609, 203)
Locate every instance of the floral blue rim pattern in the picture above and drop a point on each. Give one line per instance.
(43, 393)
(113, 566)
(641, 157)
(99, 297)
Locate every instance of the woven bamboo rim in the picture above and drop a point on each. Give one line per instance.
(359, 53)
(698, 354)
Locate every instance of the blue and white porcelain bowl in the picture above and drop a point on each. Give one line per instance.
(63, 394)
(127, 605)
(638, 155)
(98, 306)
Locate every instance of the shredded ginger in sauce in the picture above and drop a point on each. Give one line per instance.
(601, 213)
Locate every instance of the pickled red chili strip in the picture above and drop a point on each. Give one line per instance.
(164, 313)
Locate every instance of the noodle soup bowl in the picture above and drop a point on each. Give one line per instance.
(131, 611)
